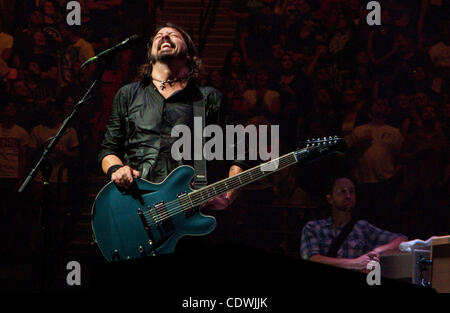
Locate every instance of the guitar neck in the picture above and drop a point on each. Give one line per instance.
(200, 196)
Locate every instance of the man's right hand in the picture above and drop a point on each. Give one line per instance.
(360, 263)
(123, 177)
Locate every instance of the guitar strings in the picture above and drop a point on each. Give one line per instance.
(174, 207)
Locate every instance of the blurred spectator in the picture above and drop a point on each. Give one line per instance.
(383, 45)
(13, 148)
(51, 16)
(41, 85)
(419, 78)
(322, 74)
(274, 63)
(234, 66)
(66, 148)
(290, 80)
(7, 9)
(343, 42)
(300, 38)
(291, 30)
(13, 142)
(40, 51)
(105, 24)
(262, 30)
(215, 79)
(262, 100)
(236, 109)
(6, 43)
(141, 15)
(76, 53)
(24, 103)
(440, 56)
(425, 155)
(357, 12)
(353, 111)
(376, 147)
(104, 14)
(432, 12)
(363, 70)
(24, 36)
(404, 115)
(321, 120)
(240, 10)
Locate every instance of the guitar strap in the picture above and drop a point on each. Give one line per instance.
(200, 179)
(339, 240)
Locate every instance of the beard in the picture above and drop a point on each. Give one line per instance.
(167, 56)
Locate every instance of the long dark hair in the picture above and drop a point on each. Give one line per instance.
(144, 73)
(227, 67)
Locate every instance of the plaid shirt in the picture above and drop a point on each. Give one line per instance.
(317, 237)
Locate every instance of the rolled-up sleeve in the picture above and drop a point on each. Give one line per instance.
(309, 241)
(114, 139)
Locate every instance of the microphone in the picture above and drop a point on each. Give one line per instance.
(122, 45)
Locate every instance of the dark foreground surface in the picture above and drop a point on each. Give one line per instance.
(229, 274)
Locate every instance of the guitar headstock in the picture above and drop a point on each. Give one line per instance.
(322, 142)
(314, 148)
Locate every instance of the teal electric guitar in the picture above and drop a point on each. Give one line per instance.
(149, 219)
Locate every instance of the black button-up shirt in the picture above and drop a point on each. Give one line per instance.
(141, 121)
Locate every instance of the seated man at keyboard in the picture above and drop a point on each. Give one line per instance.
(341, 240)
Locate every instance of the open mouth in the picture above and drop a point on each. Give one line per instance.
(166, 46)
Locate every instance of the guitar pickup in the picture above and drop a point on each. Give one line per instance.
(162, 217)
(185, 202)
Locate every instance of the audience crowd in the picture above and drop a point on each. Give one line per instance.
(314, 67)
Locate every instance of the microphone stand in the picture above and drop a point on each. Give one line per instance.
(41, 165)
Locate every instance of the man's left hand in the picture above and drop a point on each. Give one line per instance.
(218, 203)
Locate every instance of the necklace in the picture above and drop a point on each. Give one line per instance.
(162, 83)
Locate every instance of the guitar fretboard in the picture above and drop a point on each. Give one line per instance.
(200, 196)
